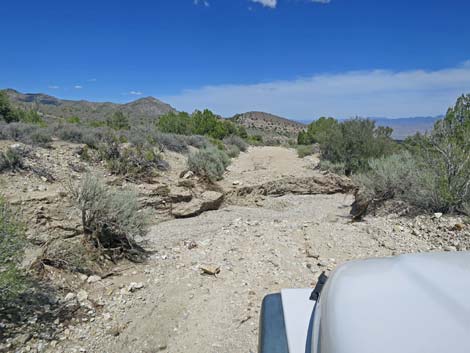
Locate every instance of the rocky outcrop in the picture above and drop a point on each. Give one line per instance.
(207, 201)
(318, 184)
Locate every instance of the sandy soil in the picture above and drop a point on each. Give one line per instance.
(262, 164)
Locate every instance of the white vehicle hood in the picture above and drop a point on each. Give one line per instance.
(407, 304)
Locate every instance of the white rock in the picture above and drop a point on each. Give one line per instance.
(16, 146)
(437, 215)
(135, 286)
(82, 295)
(93, 279)
(188, 174)
(69, 297)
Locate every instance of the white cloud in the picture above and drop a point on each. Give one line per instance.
(92, 80)
(348, 94)
(268, 3)
(78, 87)
(135, 93)
(273, 3)
(54, 87)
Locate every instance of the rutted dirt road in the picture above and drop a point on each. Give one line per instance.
(287, 242)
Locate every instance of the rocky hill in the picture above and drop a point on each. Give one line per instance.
(144, 108)
(269, 126)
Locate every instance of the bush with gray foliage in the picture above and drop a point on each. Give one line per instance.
(30, 134)
(236, 141)
(111, 218)
(11, 160)
(12, 243)
(209, 163)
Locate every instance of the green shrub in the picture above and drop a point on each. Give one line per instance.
(10, 114)
(207, 123)
(236, 141)
(7, 112)
(96, 123)
(305, 150)
(176, 123)
(73, 120)
(11, 160)
(12, 243)
(217, 143)
(352, 142)
(317, 131)
(111, 218)
(209, 163)
(203, 123)
(31, 117)
(118, 121)
(445, 158)
(255, 140)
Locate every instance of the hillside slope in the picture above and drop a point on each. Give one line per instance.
(270, 126)
(144, 108)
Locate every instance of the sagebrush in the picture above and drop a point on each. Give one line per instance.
(12, 242)
(209, 162)
(112, 218)
(11, 160)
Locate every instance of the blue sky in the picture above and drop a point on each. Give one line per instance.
(297, 58)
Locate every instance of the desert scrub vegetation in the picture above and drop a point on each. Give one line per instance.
(112, 218)
(237, 141)
(327, 166)
(232, 151)
(30, 134)
(10, 114)
(203, 123)
(352, 142)
(118, 121)
(138, 162)
(209, 163)
(11, 160)
(433, 172)
(305, 150)
(12, 241)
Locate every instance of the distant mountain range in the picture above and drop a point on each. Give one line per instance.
(404, 127)
(144, 108)
(271, 127)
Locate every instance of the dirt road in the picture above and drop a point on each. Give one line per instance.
(259, 250)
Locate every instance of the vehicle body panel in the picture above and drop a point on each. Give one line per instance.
(297, 309)
(407, 304)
